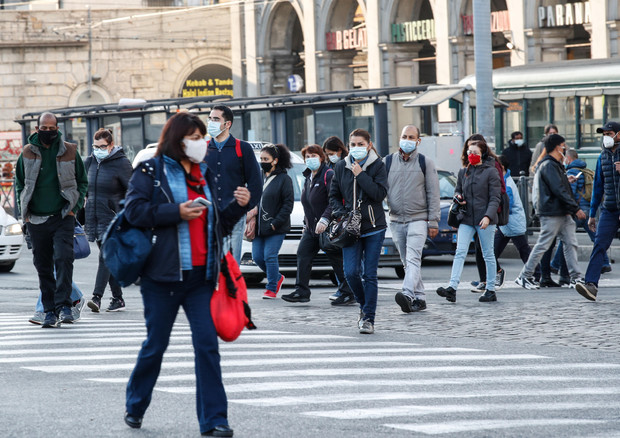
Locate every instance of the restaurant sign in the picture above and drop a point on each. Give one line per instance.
(568, 14)
(500, 22)
(350, 39)
(208, 80)
(413, 31)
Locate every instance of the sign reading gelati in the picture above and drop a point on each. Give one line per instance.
(346, 39)
(208, 80)
(413, 31)
(500, 22)
(568, 14)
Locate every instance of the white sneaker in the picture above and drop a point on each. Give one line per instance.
(527, 283)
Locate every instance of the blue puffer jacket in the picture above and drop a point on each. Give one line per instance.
(517, 224)
(606, 182)
(163, 215)
(578, 186)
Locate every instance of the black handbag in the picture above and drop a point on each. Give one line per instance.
(345, 231)
(503, 212)
(456, 214)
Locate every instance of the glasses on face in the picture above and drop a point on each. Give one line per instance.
(473, 153)
(100, 146)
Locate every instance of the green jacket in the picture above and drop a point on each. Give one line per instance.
(69, 176)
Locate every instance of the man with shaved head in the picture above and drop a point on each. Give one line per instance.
(413, 199)
(51, 183)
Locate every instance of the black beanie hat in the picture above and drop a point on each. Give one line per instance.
(552, 141)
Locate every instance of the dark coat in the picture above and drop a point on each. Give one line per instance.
(276, 205)
(555, 197)
(481, 188)
(519, 158)
(315, 197)
(164, 262)
(107, 185)
(373, 184)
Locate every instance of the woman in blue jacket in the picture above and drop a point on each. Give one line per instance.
(183, 265)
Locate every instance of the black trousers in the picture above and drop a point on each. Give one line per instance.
(52, 248)
(306, 251)
(104, 277)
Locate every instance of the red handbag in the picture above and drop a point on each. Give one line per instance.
(229, 305)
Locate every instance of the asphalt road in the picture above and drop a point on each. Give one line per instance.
(536, 363)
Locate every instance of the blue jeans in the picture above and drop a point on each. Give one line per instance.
(161, 306)
(76, 294)
(559, 262)
(235, 240)
(361, 261)
(607, 226)
(487, 239)
(265, 251)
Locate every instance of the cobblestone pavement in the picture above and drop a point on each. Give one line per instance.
(558, 317)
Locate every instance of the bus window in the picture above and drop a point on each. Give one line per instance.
(153, 124)
(591, 117)
(537, 118)
(299, 128)
(359, 116)
(131, 136)
(329, 121)
(564, 117)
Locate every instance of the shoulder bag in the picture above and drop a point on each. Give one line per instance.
(81, 247)
(345, 231)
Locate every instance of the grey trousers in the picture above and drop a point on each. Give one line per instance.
(551, 227)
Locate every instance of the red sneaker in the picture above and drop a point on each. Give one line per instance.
(268, 295)
(279, 284)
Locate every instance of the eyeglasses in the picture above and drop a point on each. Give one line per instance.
(100, 146)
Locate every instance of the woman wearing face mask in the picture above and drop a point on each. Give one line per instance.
(273, 215)
(335, 150)
(317, 214)
(478, 188)
(183, 265)
(364, 169)
(108, 170)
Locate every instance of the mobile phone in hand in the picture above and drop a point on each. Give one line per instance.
(200, 202)
(578, 175)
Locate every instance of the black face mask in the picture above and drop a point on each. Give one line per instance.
(47, 137)
(266, 167)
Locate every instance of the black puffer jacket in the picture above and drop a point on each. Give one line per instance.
(276, 205)
(372, 182)
(315, 197)
(481, 188)
(107, 184)
(555, 196)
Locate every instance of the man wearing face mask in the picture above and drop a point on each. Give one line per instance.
(518, 155)
(413, 199)
(51, 183)
(234, 165)
(605, 195)
(555, 205)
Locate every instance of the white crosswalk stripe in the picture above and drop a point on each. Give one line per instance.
(408, 387)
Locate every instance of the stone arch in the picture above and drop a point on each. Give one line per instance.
(193, 64)
(79, 97)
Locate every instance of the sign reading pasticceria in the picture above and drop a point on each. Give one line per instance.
(413, 31)
(208, 80)
(348, 39)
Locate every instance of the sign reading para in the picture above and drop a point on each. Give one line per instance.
(568, 14)
(208, 80)
(346, 39)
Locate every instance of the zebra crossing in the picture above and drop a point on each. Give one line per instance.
(407, 388)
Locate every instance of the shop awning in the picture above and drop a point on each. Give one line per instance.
(436, 94)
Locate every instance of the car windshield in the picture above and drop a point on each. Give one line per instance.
(298, 179)
(447, 183)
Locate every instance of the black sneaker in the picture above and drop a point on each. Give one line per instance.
(295, 297)
(418, 305)
(116, 304)
(548, 282)
(448, 293)
(65, 315)
(344, 300)
(527, 282)
(133, 421)
(404, 301)
(95, 303)
(51, 320)
(499, 278)
(605, 269)
(587, 290)
(488, 296)
(480, 287)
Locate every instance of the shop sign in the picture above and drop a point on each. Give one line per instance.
(500, 22)
(209, 80)
(567, 14)
(413, 31)
(346, 39)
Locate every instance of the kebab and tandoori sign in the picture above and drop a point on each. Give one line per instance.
(209, 80)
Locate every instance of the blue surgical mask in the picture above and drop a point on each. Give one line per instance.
(100, 154)
(334, 158)
(358, 152)
(313, 163)
(214, 128)
(408, 146)
(519, 142)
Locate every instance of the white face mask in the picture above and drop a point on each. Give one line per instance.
(334, 158)
(195, 149)
(608, 141)
(358, 152)
(519, 142)
(214, 128)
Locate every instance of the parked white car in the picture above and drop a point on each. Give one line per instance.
(11, 241)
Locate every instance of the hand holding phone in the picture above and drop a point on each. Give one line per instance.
(200, 202)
